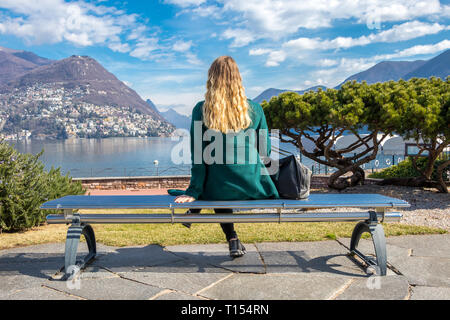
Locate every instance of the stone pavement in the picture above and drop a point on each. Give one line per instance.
(419, 268)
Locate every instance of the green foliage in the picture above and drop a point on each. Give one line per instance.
(417, 109)
(25, 186)
(405, 169)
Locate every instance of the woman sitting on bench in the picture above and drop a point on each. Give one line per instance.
(228, 121)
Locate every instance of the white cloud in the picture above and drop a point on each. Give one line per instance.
(86, 24)
(276, 19)
(193, 59)
(258, 52)
(401, 32)
(275, 58)
(185, 3)
(303, 44)
(182, 46)
(52, 21)
(145, 49)
(241, 37)
(346, 67)
(207, 11)
(297, 47)
(326, 62)
(417, 50)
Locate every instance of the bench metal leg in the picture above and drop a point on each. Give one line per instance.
(379, 242)
(73, 238)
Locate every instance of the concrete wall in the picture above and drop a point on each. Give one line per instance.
(166, 182)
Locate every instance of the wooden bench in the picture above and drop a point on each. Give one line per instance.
(375, 209)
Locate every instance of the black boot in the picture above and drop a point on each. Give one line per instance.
(236, 248)
(187, 225)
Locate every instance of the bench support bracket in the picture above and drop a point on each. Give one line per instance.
(73, 239)
(379, 242)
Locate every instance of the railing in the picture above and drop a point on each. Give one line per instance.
(130, 172)
(381, 162)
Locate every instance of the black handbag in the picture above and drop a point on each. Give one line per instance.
(292, 179)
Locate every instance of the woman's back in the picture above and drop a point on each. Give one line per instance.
(230, 167)
(227, 132)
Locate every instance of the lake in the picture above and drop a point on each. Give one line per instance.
(120, 157)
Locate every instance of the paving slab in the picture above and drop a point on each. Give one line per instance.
(424, 246)
(180, 276)
(308, 257)
(18, 282)
(218, 255)
(38, 293)
(304, 286)
(425, 271)
(130, 258)
(107, 289)
(430, 293)
(377, 288)
(177, 296)
(295, 271)
(431, 270)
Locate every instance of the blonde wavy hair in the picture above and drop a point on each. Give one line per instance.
(226, 107)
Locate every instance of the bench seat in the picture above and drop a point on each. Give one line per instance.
(377, 209)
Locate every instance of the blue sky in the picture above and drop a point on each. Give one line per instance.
(163, 48)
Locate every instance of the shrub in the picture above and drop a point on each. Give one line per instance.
(25, 185)
(405, 169)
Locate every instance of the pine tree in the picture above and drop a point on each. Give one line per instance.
(25, 186)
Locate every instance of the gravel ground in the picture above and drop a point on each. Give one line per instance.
(428, 207)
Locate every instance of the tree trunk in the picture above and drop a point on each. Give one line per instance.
(440, 175)
(336, 182)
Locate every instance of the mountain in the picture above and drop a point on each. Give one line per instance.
(33, 58)
(152, 105)
(15, 63)
(76, 96)
(438, 66)
(269, 93)
(386, 70)
(99, 86)
(178, 120)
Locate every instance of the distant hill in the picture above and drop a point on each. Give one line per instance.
(269, 93)
(152, 105)
(386, 70)
(14, 63)
(438, 66)
(178, 120)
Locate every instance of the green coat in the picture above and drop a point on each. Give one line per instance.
(238, 173)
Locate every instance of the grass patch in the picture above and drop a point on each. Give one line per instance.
(166, 234)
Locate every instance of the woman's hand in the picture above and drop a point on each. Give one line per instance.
(184, 199)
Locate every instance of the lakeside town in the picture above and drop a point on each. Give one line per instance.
(58, 107)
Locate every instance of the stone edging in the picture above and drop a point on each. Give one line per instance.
(165, 182)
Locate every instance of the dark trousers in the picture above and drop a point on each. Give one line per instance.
(228, 228)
